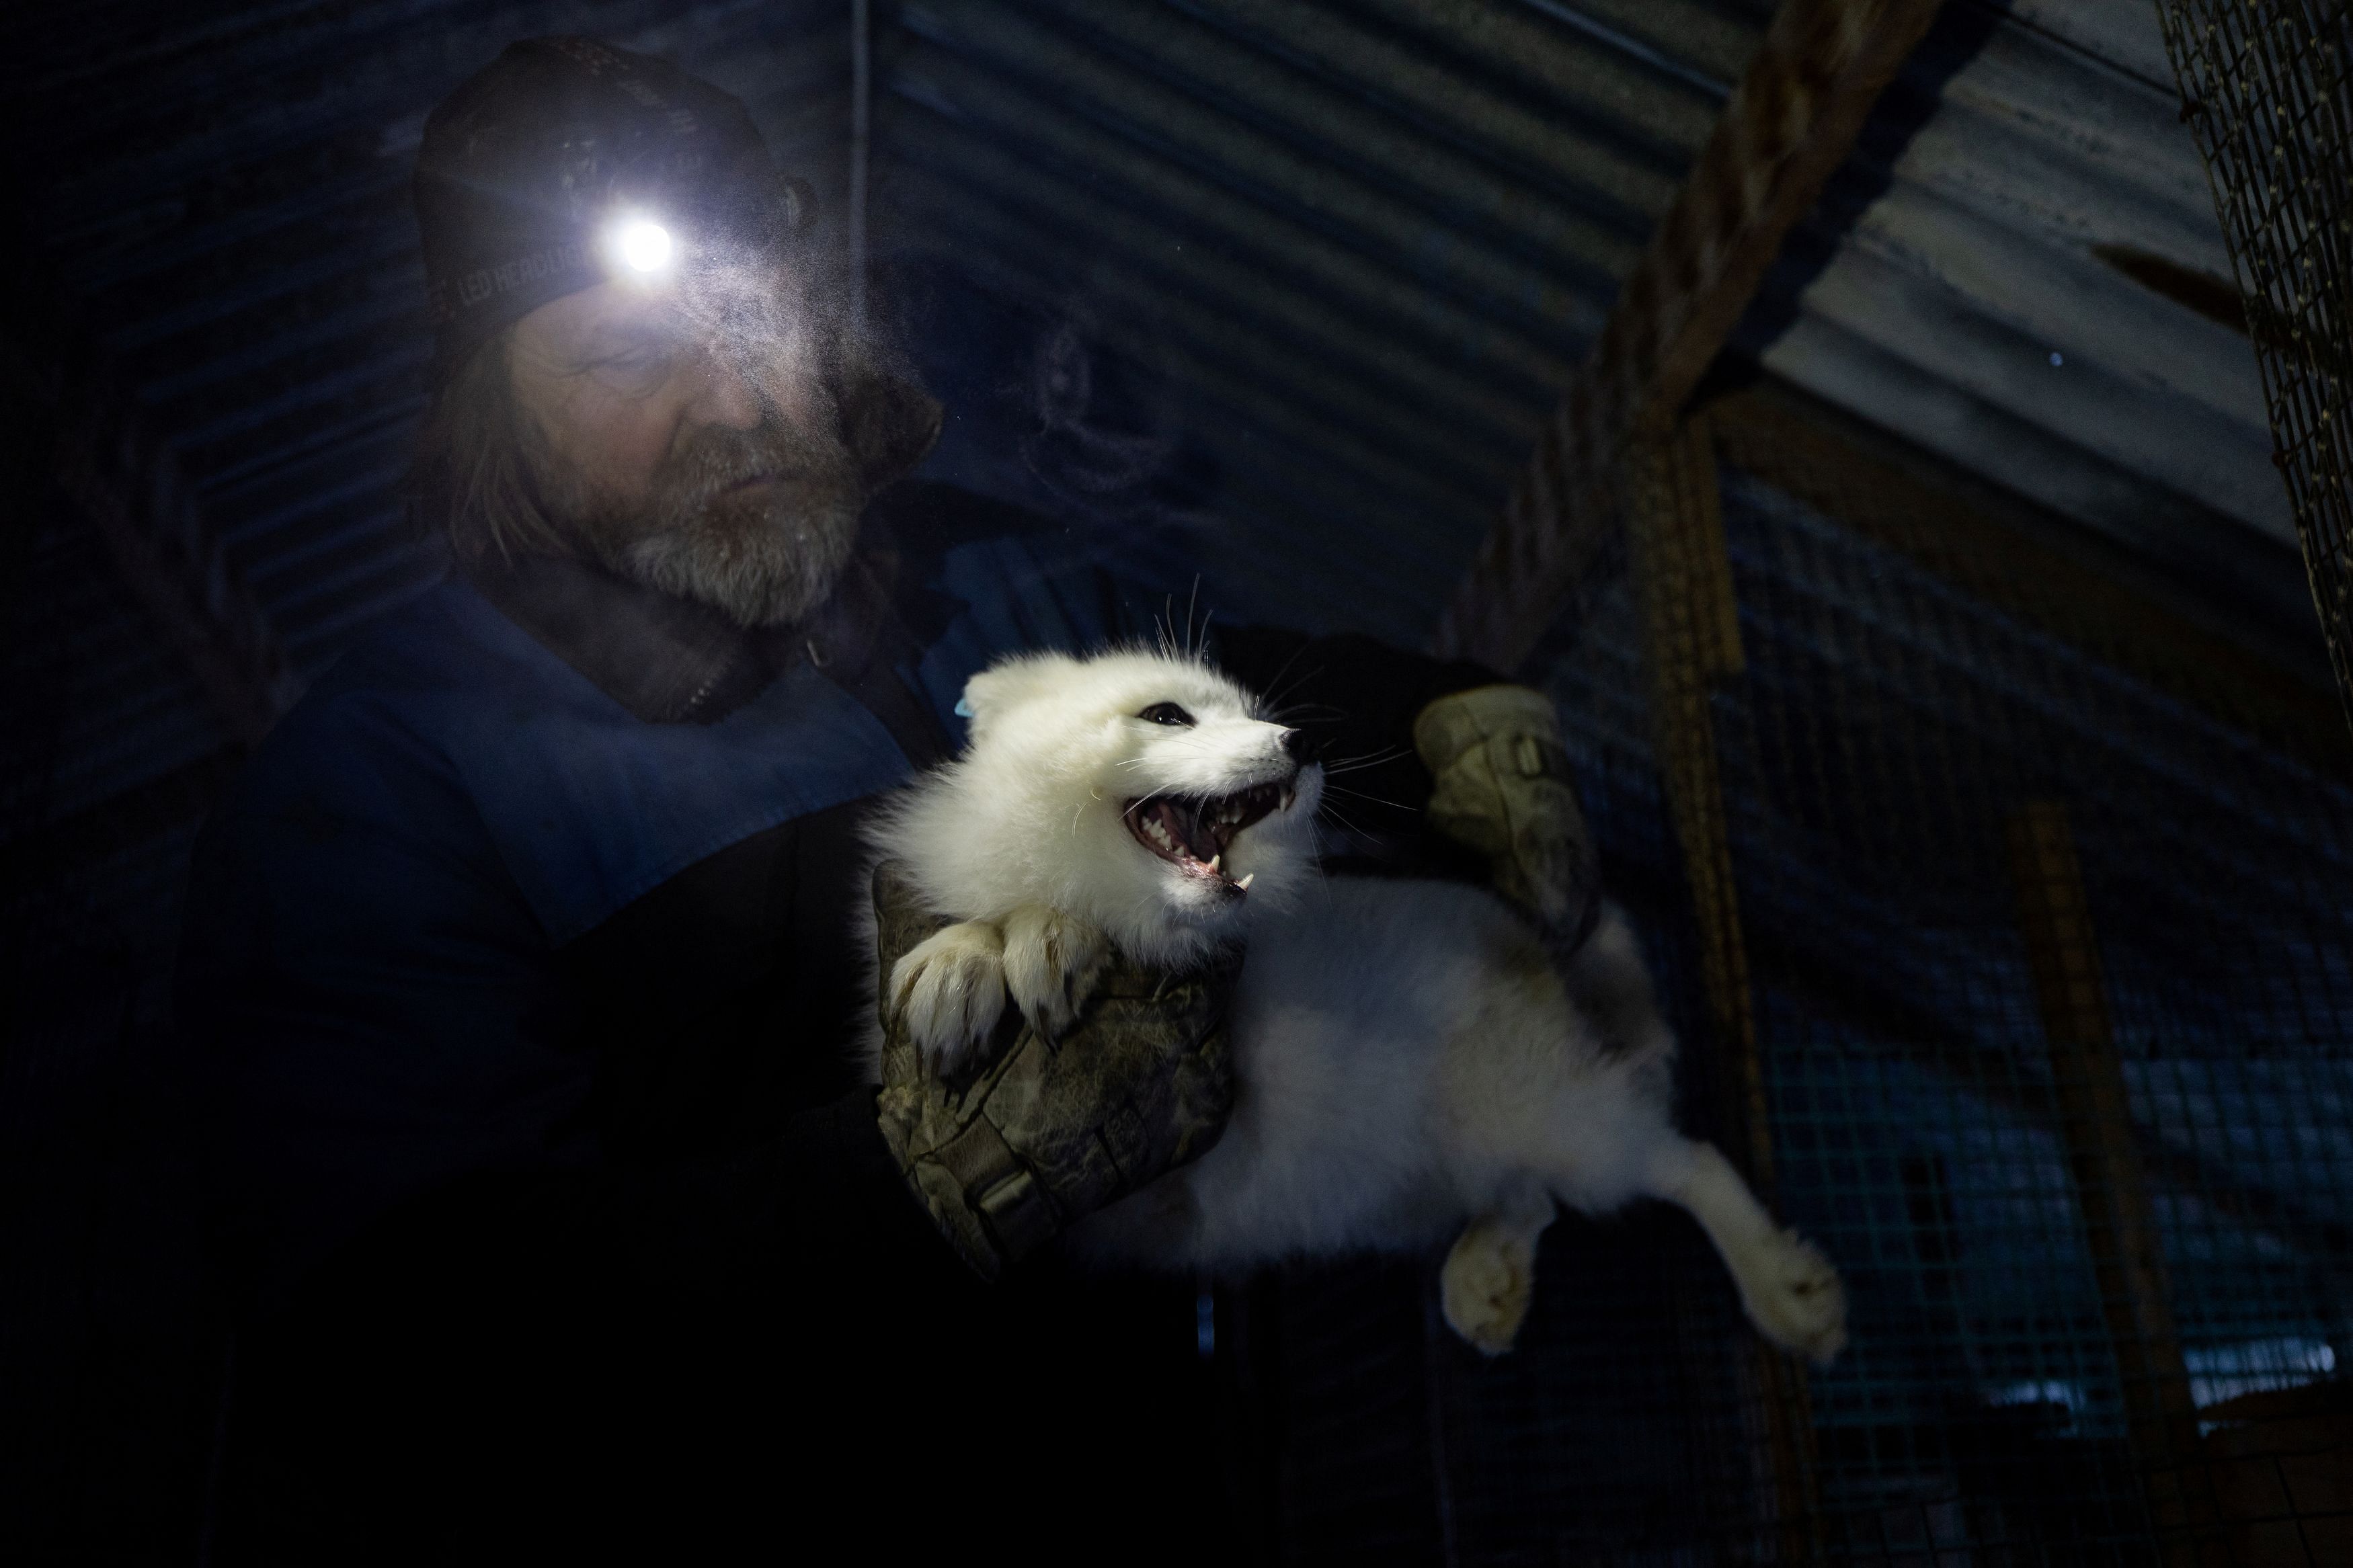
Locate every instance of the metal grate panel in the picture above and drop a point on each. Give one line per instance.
(2268, 90)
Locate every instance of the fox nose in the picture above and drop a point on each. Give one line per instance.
(1295, 744)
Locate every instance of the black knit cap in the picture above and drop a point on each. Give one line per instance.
(527, 161)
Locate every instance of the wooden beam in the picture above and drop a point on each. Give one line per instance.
(2095, 1124)
(2028, 561)
(1791, 121)
(1691, 646)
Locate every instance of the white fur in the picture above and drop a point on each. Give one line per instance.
(1410, 1065)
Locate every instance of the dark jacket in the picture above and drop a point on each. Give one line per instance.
(522, 960)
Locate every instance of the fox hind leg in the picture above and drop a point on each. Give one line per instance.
(1490, 1274)
(1787, 1286)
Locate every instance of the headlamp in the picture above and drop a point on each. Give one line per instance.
(640, 247)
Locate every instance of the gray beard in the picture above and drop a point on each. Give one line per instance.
(770, 570)
(762, 556)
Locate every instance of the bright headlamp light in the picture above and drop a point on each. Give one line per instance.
(637, 247)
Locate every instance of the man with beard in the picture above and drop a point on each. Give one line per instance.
(524, 960)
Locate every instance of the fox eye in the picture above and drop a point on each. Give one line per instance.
(1165, 713)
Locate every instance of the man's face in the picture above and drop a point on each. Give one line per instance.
(696, 450)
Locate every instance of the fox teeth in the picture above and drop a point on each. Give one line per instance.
(1246, 881)
(1214, 860)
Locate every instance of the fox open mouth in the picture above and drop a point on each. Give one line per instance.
(1193, 833)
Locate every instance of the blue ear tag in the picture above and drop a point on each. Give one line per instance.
(963, 708)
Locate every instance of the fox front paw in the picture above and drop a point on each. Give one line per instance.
(949, 991)
(1050, 959)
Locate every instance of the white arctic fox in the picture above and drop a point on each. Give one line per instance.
(1410, 1064)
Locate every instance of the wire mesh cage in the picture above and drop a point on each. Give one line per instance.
(2050, 994)
(2043, 945)
(2266, 89)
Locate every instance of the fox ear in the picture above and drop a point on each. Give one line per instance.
(1005, 686)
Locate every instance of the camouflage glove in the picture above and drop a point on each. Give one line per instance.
(1502, 788)
(1049, 1131)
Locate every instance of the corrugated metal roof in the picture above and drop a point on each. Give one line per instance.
(1976, 303)
(1361, 246)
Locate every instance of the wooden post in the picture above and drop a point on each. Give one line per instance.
(2119, 1228)
(1692, 644)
